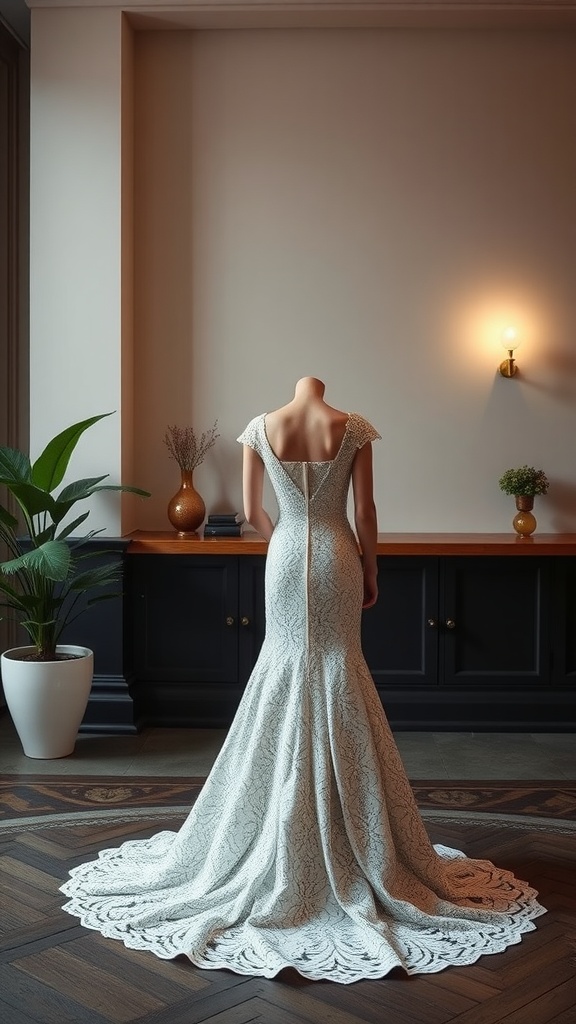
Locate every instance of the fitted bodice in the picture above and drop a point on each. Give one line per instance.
(318, 489)
(313, 565)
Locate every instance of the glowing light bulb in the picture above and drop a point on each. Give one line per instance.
(510, 341)
(510, 338)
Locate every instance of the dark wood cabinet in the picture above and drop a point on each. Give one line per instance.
(181, 610)
(251, 618)
(197, 628)
(469, 633)
(474, 643)
(563, 623)
(460, 622)
(494, 620)
(454, 642)
(399, 634)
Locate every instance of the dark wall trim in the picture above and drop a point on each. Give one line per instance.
(102, 628)
(15, 18)
(14, 251)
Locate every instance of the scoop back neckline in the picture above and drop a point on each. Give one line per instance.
(306, 462)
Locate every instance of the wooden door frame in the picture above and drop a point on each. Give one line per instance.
(14, 254)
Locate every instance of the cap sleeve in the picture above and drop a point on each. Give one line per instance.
(251, 435)
(364, 432)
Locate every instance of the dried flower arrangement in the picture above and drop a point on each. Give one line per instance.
(525, 481)
(186, 449)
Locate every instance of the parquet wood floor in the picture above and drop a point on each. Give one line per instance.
(33, 796)
(52, 971)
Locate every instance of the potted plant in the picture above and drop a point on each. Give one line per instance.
(524, 484)
(47, 582)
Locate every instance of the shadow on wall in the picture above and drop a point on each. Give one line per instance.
(559, 377)
(227, 481)
(562, 499)
(559, 384)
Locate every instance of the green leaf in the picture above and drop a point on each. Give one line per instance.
(50, 467)
(68, 497)
(72, 526)
(6, 519)
(27, 602)
(80, 489)
(51, 561)
(79, 542)
(14, 466)
(123, 487)
(15, 600)
(42, 635)
(100, 576)
(47, 534)
(84, 489)
(102, 597)
(32, 500)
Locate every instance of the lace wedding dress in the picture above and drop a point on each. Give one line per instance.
(305, 847)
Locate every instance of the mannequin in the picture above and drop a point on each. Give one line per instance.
(307, 429)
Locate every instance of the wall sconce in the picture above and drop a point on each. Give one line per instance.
(510, 341)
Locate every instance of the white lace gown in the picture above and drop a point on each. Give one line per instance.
(305, 848)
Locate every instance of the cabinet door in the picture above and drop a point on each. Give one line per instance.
(564, 623)
(399, 634)
(251, 614)
(185, 618)
(494, 622)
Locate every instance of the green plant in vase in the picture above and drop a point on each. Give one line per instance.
(524, 484)
(49, 580)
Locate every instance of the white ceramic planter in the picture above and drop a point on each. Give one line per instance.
(47, 699)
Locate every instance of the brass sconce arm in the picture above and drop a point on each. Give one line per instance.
(510, 342)
(508, 367)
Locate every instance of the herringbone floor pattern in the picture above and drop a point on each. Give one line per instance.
(52, 971)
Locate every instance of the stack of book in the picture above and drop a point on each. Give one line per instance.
(224, 525)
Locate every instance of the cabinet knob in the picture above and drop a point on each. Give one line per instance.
(450, 624)
(432, 623)
(229, 620)
(244, 621)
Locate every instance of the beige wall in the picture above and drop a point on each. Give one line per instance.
(370, 206)
(75, 239)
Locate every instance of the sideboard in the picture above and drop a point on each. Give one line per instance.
(470, 632)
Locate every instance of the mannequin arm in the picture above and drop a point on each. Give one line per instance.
(365, 520)
(252, 487)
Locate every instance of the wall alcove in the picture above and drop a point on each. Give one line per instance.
(224, 199)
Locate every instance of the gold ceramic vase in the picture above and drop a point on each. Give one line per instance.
(524, 522)
(186, 510)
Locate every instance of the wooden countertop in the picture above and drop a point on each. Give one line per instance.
(151, 542)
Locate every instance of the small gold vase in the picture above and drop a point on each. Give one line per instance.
(524, 522)
(186, 510)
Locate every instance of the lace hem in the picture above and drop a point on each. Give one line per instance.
(335, 945)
